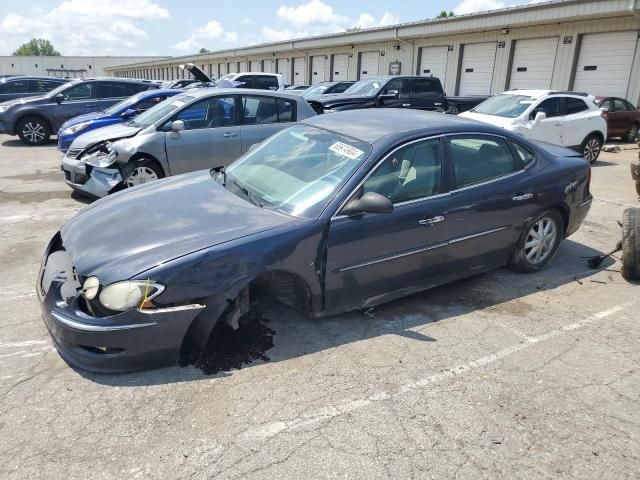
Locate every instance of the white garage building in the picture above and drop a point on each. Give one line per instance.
(587, 45)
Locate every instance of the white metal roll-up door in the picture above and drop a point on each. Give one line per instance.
(433, 61)
(242, 67)
(223, 69)
(318, 63)
(340, 67)
(604, 63)
(255, 65)
(299, 67)
(533, 61)
(478, 60)
(282, 66)
(267, 66)
(369, 64)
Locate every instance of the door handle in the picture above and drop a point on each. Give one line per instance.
(427, 222)
(559, 124)
(406, 104)
(522, 196)
(229, 135)
(91, 105)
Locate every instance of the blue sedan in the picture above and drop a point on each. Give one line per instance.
(335, 213)
(118, 113)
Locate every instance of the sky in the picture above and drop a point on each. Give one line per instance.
(181, 27)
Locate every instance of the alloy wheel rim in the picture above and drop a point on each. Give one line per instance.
(634, 134)
(34, 132)
(540, 240)
(592, 149)
(141, 175)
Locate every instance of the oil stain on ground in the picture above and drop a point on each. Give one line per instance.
(230, 349)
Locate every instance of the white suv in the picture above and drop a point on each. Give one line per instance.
(257, 80)
(569, 119)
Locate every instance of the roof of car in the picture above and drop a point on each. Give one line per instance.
(542, 93)
(32, 77)
(272, 74)
(371, 125)
(203, 92)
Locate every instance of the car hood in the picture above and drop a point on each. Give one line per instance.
(22, 101)
(503, 122)
(333, 99)
(84, 118)
(132, 231)
(112, 132)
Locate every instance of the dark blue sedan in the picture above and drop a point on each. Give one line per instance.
(119, 113)
(335, 213)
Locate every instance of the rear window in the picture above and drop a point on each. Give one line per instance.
(523, 154)
(575, 105)
(426, 87)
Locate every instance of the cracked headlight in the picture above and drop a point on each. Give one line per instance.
(101, 159)
(90, 288)
(124, 296)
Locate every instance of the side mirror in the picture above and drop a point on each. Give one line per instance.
(370, 202)
(604, 109)
(128, 113)
(59, 98)
(254, 146)
(177, 126)
(390, 94)
(539, 117)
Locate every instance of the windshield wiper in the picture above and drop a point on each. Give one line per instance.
(250, 195)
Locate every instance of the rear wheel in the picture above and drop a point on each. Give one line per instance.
(539, 243)
(144, 171)
(631, 135)
(33, 131)
(591, 148)
(631, 244)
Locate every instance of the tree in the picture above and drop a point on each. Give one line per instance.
(353, 29)
(444, 14)
(39, 47)
(204, 50)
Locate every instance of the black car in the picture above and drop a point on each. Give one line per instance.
(335, 213)
(13, 87)
(35, 119)
(326, 88)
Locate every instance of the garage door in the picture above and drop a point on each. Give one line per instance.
(255, 65)
(533, 61)
(433, 61)
(476, 76)
(223, 69)
(340, 67)
(267, 66)
(282, 65)
(369, 64)
(317, 68)
(299, 67)
(242, 67)
(604, 63)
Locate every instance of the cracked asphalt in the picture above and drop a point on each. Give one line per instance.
(502, 375)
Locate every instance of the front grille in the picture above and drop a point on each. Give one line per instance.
(67, 175)
(74, 152)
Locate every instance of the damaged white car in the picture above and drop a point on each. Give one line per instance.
(197, 130)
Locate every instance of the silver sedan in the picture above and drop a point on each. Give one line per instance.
(197, 130)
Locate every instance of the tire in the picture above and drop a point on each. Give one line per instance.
(525, 257)
(591, 147)
(144, 171)
(631, 135)
(631, 244)
(33, 131)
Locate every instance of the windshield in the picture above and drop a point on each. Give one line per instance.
(509, 106)
(365, 88)
(298, 170)
(314, 91)
(123, 104)
(161, 110)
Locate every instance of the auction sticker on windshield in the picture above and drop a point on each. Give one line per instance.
(347, 150)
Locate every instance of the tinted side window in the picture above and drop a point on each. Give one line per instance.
(400, 85)
(259, 110)
(148, 103)
(426, 87)
(209, 113)
(17, 86)
(112, 90)
(410, 173)
(478, 159)
(574, 105)
(607, 106)
(286, 110)
(247, 81)
(628, 106)
(266, 83)
(341, 87)
(43, 86)
(524, 155)
(83, 91)
(134, 88)
(619, 105)
(551, 106)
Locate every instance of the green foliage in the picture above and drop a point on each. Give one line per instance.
(204, 50)
(40, 47)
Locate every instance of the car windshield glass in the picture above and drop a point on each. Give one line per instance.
(314, 91)
(123, 105)
(161, 110)
(365, 88)
(510, 106)
(298, 170)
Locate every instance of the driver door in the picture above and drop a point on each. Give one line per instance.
(402, 100)
(211, 137)
(550, 129)
(78, 100)
(374, 254)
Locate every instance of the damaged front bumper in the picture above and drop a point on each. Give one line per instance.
(95, 181)
(124, 342)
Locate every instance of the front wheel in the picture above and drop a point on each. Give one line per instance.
(591, 148)
(539, 243)
(631, 135)
(33, 131)
(144, 171)
(631, 244)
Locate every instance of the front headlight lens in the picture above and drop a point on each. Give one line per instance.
(124, 296)
(90, 288)
(4, 108)
(76, 128)
(100, 159)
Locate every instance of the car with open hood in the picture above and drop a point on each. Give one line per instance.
(198, 129)
(121, 112)
(335, 213)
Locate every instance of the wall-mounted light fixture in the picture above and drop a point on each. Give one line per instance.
(505, 31)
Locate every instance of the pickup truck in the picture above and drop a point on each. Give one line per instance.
(422, 93)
